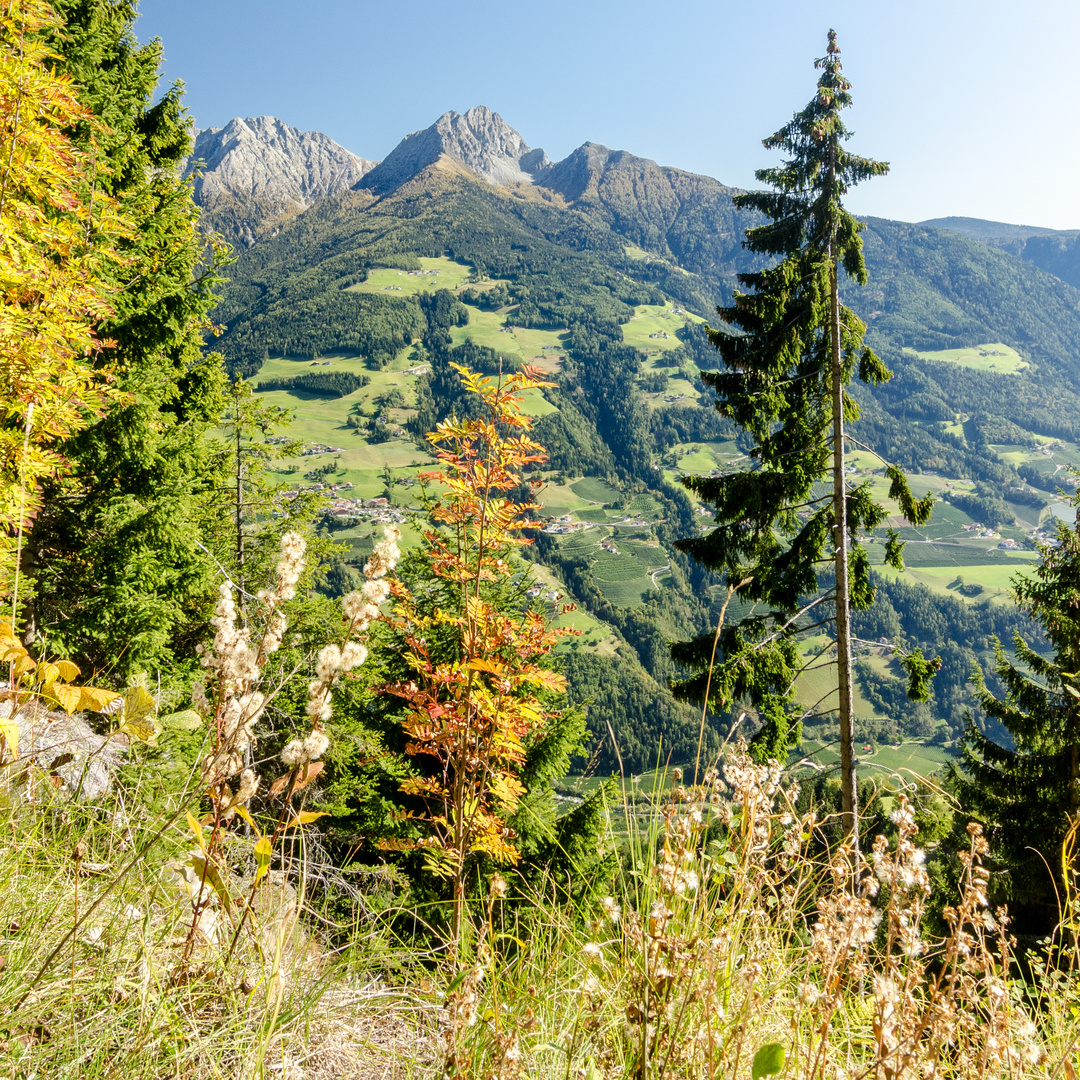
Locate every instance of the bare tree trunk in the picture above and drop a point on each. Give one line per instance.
(848, 779)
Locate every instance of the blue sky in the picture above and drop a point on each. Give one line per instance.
(973, 102)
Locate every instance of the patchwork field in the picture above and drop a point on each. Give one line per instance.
(322, 421)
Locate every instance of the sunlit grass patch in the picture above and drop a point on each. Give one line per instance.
(994, 357)
(441, 273)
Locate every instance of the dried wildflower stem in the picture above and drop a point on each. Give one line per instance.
(22, 497)
(235, 670)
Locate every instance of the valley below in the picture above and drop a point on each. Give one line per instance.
(608, 520)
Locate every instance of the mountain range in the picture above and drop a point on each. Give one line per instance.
(256, 173)
(260, 171)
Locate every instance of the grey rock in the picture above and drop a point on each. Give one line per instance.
(480, 140)
(262, 158)
(67, 748)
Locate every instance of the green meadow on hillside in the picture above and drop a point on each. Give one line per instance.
(912, 757)
(656, 319)
(441, 273)
(995, 357)
(489, 328)
(594, 490)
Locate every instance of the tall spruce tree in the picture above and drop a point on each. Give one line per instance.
(794, 350)
(119, 574)
(1028, 794)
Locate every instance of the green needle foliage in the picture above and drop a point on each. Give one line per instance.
(794, 350)
(1028, 794)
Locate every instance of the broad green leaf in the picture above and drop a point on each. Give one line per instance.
(768, 1061)
(188, 720)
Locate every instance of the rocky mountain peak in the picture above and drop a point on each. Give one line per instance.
(480, 140)
(264, 159)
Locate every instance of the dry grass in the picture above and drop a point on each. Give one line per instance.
(733, 950)
(726, 935)
(94, 980)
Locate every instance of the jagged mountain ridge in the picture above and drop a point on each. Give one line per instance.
(479, 139)
(660, 208)
(258, 170)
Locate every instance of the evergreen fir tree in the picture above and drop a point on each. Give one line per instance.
(795, 349)
(1028, 794)
(120, 574)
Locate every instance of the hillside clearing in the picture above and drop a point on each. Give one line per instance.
(995, 356)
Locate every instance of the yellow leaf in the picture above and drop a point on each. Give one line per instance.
(486, 665)
(263, 850)
(196, 828)
(507, 791)
(138, 703)
(47, 674)
(304, 817)
(145, 730)
(68, 670)
(94, 698)
(68, 697)
(9, 732)
(245, 814)
(24, 664)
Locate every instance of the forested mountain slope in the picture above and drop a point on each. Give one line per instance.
(1053, 250)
